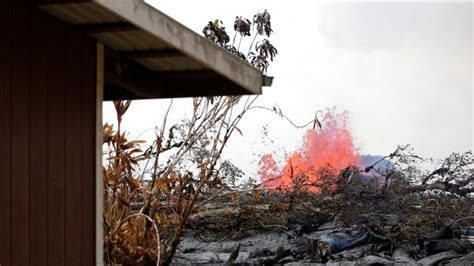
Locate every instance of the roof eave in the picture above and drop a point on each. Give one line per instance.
(187, 42)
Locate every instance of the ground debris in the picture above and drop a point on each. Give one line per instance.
(462, 261)
(352, 226)
(439, 257)
(400, 255)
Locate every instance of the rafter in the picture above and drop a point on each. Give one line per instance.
(107, 27)
(153, 53)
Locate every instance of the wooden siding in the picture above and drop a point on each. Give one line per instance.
(47, 135)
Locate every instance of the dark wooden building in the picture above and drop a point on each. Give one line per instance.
(59, 59)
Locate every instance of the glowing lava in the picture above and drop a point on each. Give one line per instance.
(331, 146)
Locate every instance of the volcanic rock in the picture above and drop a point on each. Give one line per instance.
(439, 257)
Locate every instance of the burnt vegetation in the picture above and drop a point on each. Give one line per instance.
(151, 192)
(260, 52)
(393, 211)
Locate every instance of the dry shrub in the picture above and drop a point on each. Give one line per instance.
(150, 193)
(402, 201)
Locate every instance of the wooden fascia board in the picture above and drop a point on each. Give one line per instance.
(187, 42)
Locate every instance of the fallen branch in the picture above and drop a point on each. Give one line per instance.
(233, 255)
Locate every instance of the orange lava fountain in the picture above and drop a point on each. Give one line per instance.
(331, 146)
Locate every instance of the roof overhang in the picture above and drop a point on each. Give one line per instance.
(150, 55)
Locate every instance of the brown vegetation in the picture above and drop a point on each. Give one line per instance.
(152, 195)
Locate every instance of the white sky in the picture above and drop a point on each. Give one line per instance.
(404, 71)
